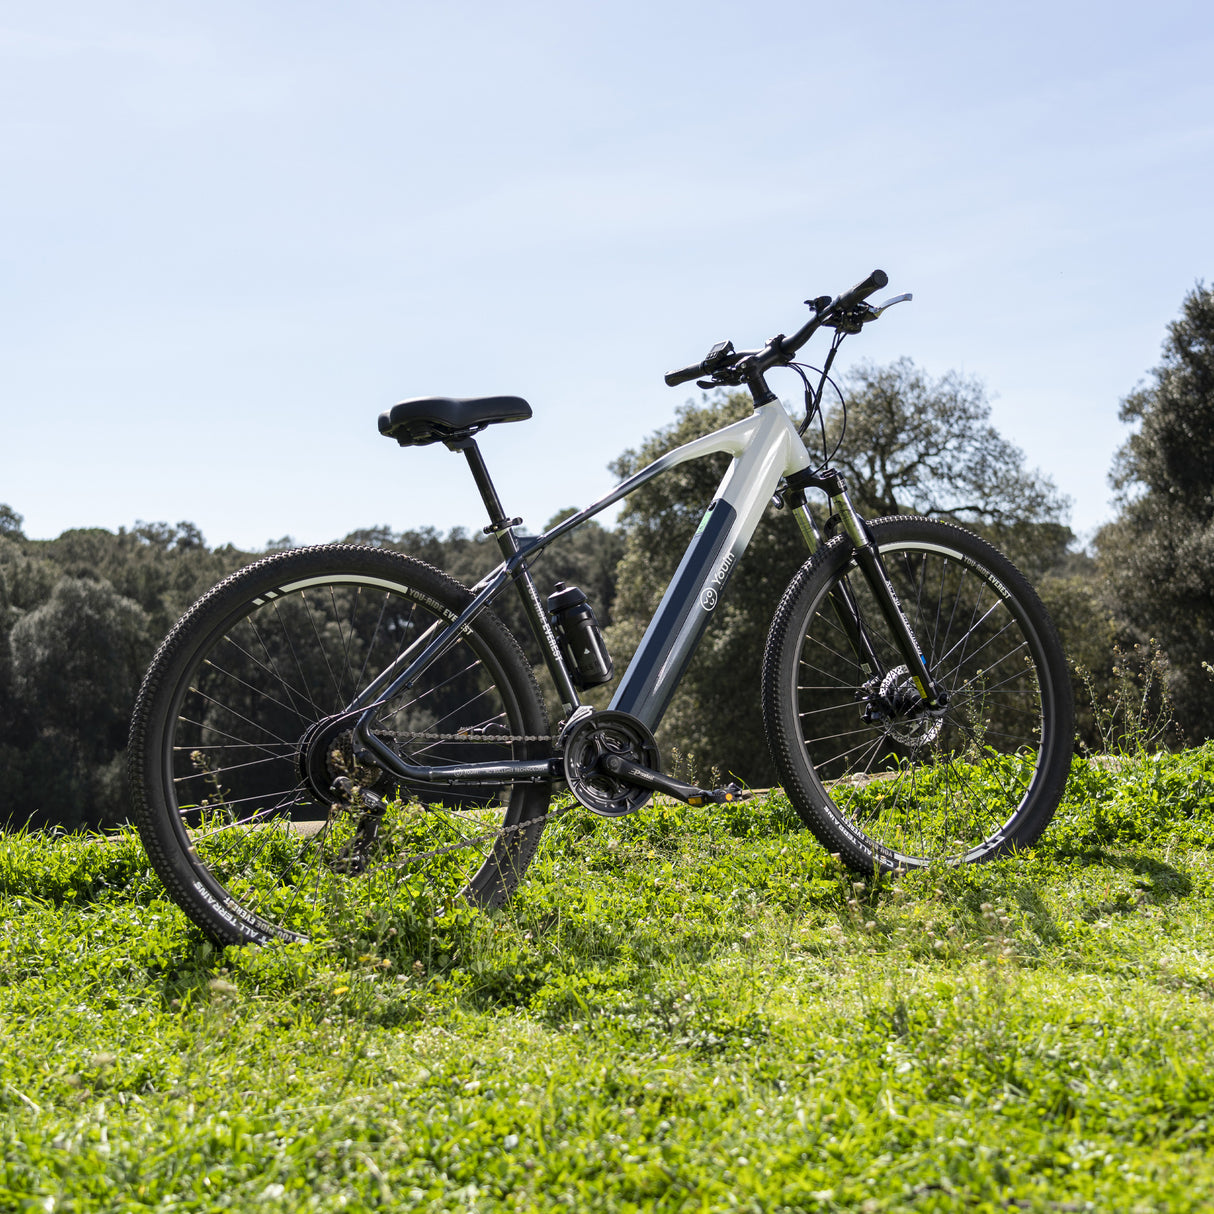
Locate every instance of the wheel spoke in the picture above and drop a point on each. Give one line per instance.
(889, 782)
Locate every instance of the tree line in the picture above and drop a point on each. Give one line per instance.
(81, 615)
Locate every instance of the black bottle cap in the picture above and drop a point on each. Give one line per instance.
(563, 597)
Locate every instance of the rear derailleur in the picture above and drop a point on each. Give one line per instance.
(370, 808)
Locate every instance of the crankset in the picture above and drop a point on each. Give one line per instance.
(613, 766)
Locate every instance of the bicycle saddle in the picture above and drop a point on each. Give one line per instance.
(432, 419)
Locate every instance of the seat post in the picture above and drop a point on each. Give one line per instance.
(499, 524)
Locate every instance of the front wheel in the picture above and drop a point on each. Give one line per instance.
(880, 778)
(238, 743)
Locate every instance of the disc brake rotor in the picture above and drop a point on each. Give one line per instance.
(909, 721)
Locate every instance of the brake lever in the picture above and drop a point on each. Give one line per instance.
(889, 303)
(855, 318)
(726, 377)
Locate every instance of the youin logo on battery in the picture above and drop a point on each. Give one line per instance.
(712, 592)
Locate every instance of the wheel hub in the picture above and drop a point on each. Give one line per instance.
(326, 752)
(901, 710)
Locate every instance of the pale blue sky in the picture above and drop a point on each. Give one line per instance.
(237, 231)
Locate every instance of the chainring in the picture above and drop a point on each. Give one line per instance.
(608, 733)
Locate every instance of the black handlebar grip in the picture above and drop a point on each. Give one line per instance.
(862, 290)
(674, 378)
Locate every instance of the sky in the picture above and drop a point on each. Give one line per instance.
(235, 232)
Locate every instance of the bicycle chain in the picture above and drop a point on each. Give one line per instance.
(414, 736)
(480, 738)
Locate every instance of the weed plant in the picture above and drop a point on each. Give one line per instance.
(1134, 713)
(684, 1010)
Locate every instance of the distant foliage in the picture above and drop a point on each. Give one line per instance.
(81, 616)
(1158, 556)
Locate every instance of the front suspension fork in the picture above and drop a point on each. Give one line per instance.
(868, 557)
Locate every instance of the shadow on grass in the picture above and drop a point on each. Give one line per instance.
(1160, 881)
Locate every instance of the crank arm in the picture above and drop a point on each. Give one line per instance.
(646, 777)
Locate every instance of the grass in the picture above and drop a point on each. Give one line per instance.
(682, 1010)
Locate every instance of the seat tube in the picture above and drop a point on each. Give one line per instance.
(541, 629)
(501, 528)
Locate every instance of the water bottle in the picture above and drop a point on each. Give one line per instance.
(581, 638)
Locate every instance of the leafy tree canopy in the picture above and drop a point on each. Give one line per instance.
(1158, 554)
(10, 522)
(1170, 456)
(919, 445)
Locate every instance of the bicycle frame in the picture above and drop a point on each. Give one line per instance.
(765, 448)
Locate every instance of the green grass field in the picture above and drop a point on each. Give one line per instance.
(683, 1010)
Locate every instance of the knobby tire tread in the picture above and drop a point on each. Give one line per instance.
(788, 750)
(157, 819)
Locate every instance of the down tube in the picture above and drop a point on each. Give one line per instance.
(695, 590)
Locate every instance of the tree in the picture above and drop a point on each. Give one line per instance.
(161, 567)
(1158, 554)
(923, 446)
(76, 664)
(912, 445)
(10, 522)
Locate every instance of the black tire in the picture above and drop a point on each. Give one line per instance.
(244, 830)
(903, 788)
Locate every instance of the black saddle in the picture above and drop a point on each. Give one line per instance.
(434, 419)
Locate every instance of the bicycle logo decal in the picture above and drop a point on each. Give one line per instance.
(710, 594)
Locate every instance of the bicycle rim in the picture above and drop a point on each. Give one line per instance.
(246, 748)
(879, 777)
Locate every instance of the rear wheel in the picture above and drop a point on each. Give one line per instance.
(880, 778)
(237, 742)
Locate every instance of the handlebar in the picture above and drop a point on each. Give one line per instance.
(862, 290)
(780, 349)
(721, 355)
(674, 378)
